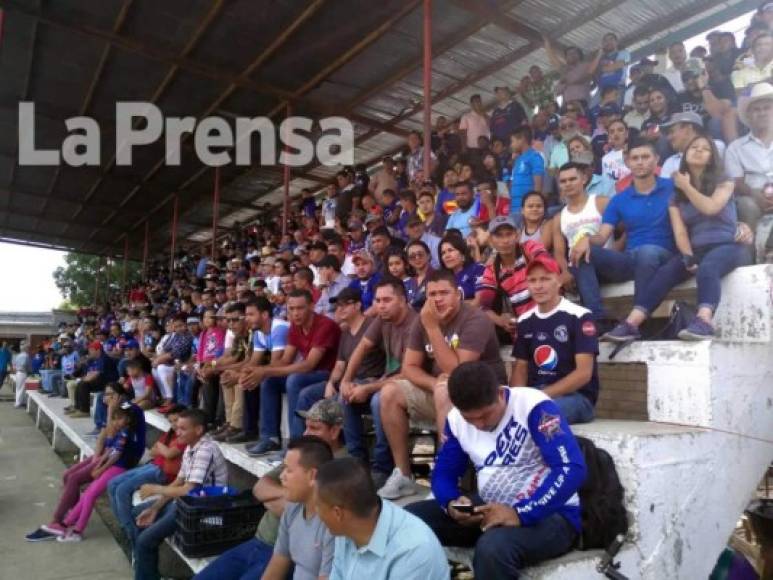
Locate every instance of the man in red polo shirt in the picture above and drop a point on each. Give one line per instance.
(308, 358)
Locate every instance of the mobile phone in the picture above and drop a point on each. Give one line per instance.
(463, 508)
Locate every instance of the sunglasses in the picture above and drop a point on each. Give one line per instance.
(237, 319)
(415, 255)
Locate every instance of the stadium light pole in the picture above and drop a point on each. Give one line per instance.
(175, 214)
(215, 207)
(427, 150)
(286, 197)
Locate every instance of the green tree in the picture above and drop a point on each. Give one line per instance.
(77, 280)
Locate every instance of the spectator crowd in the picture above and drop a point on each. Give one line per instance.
(389, 302)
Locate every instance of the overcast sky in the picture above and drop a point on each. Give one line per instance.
(28, 284)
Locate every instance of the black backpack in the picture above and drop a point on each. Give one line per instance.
(601, 499)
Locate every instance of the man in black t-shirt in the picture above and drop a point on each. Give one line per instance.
(557, 345)
(715, 108)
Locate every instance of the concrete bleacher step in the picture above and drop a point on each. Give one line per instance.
(637, 448)
(233, 453)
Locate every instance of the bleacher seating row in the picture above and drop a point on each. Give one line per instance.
(687, 456)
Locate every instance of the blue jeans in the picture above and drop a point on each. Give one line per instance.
(296, 385)
(120, 490)
(713, 263)
(183, 388)
(500, 553)
(149, 539)
(100, 412)
(638, 264)
(246, 561)
(575, 407)
(309, 395)
(48, 378)
(355, 435)
(271, 402)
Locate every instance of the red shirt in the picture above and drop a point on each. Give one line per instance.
(511, 280)
(324, 334)
(170, 467)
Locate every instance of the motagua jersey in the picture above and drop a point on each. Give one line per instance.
(530, 460)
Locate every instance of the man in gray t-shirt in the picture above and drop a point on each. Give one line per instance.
(303, 539)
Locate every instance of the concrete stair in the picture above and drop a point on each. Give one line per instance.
(691, 468)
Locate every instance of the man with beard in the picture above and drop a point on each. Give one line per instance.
(447, 332)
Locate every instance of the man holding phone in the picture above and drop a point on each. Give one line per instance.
(529, 469)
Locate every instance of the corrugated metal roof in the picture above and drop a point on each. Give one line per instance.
(236, 57)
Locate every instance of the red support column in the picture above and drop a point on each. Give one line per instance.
(215, 208)
(96, 281)
(125, 263)
(286, 199)
(175, 213)
(427, 158)
(145, 251)
(107, 278)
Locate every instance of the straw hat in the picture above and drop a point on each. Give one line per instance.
(760, 92)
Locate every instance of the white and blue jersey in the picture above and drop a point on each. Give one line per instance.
(276, 338)
(549, 342)
(530, 460)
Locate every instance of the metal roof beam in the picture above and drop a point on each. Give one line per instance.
(203, 26)
(117, 25)
(340, 61)
(264, 55)
(25, 96)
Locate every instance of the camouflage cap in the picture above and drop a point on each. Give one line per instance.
(326, 410)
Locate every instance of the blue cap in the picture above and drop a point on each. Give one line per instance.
(131, 344)
(610, 109)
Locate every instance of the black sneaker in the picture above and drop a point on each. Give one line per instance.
(40, 535)
(263, 447)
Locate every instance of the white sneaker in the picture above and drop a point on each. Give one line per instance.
(71, 536)
(397, 486)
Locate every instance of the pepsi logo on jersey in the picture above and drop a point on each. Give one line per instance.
(546, 358)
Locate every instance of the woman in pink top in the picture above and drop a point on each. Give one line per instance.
(211, 340)
(211, 347)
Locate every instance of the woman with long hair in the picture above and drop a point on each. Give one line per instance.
(536, 225)
(704, 221)
(455, 256)
(419, 257)
(397, 264)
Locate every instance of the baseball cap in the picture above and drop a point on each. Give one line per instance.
(347, 296)
(553, 122)
(546, 261)
(693, 67)
(683, 117)
(610, 109)
(192, 320)
(362, 255)
(355, 225)
(132, 344)
(372, 218)
(501, 221)
(414, 220)
(64, 336)
(95, 345)
(582, 157)
(326, 411)
(648, 62)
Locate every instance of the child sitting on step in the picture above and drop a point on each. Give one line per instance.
(109, 460)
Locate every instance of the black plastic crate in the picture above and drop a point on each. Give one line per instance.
(207, 526)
